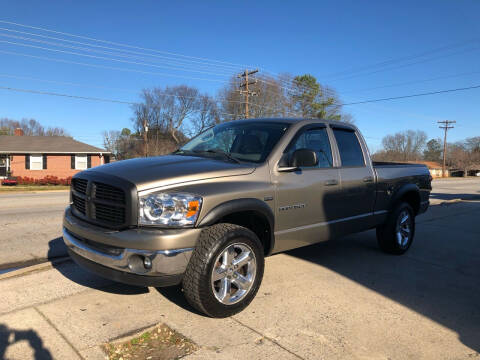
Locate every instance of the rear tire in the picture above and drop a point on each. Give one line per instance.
(396, 235)
(225, 270)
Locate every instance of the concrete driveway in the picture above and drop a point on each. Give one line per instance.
(338, 300)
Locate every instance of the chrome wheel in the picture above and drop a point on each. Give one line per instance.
(233, 273)
(404, 228)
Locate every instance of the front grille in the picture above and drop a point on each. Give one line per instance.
(109, 193)
(80, 185)
(109, 213)
(101, 203)
(79, 204)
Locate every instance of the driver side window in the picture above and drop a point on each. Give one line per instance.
(315, 139)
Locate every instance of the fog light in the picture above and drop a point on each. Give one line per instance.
(147, 262)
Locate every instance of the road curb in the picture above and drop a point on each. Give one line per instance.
(34, 268)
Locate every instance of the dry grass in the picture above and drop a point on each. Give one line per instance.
(29, 188)
(160, 343)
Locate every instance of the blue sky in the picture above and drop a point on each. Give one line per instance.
(326, 39)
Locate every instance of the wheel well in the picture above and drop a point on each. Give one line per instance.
(412, 198)
(254, 221)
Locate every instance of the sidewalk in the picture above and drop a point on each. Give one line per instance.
(337, 300)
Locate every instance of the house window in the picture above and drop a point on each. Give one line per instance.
(80, 162)
(36, 162)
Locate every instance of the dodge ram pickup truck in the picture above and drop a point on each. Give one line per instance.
(208, 214)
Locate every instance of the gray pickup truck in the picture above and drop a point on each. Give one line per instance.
(208, 214)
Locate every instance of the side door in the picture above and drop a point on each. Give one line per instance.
(305, 198)
(357, 177)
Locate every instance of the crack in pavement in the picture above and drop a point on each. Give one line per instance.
(273, 341)
(58, 332)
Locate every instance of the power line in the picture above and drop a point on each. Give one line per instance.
(217, 100)
(168, 64)
(66, 95)
(414, 82)
(209, 62)
(90, 98)
(406, 65)
(108, 58)
(121, 50)
(119, 44)
(110, 67)
(403, 58)
(413, 95)
(141, 54)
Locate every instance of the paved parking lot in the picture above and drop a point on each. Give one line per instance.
(338, 300)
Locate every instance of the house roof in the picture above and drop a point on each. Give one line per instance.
(429, 164)
(45, 145)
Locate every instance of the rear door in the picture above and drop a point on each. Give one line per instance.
(357, 179)
(306, 199)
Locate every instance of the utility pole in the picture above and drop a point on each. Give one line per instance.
(245, 84)
(446, 125)
(145, 137)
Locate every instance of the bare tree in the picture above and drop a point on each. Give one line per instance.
(173, 114)
(464, 156)
(403, 146)
(30, 127)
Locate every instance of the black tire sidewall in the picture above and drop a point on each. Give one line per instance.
(387, 234)
(210, 303)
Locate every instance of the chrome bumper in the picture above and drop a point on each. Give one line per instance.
(133, 261)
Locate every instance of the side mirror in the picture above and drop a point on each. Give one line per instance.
(303, 158)
(300, 158)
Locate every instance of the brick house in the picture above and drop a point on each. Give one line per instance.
(40, 156)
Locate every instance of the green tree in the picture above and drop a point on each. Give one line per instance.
(312, 100)
(433, 151)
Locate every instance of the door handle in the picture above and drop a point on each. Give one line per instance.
(331, 182)
(368, 179)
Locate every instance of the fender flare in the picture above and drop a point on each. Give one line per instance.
(404, 189)
(239, 205)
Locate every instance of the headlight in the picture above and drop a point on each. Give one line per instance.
(169, 209)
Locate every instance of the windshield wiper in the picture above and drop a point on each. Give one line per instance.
(219, 152)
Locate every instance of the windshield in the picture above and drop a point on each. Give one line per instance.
(239, 141)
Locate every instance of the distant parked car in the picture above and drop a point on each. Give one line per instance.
(10, 181)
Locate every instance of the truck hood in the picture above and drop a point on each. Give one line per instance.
(159, 171)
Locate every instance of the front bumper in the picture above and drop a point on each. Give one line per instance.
(104, 252)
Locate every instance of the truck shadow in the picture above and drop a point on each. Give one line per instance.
(435, 278)
(9, 337)
(446, 197)
(83, 277)
(175, 295)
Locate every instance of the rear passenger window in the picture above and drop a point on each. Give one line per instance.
(350, 151)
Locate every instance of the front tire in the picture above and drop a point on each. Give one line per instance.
(225, 270)
(396, 235)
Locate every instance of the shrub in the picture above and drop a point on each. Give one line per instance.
(47, 180)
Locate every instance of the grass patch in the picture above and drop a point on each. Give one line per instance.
(20, 188)
(160, 343)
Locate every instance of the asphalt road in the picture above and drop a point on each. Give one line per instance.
(342, 299)
(30, 226)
